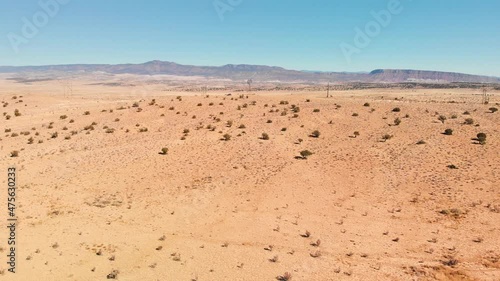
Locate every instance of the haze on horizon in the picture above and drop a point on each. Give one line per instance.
(455, 36)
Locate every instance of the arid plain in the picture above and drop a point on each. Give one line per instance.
(397, 200)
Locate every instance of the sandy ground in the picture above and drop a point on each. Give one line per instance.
(93, 202)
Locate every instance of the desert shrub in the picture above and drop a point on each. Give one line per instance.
(200, 104)
(7, 117)
(229, 123)
(469, 121)
(164, 151)
(8, 130)
(269, 121)
(448, 132)
(136, 104)
(454, 116)
(283, 129)
(295, 115)
(31, 140)
(387, 137)
(316, 110)
(86, 113)
(242, 126)
(14, 153)
(171, 108)
(185, 131)
(17, 113)
(356, 134)
(265, 136)
(466, 113)
(420, 142)
(67, 137)
(305, 153)
(296, 109)
(397, 121)
(308, 100)
(226, 137)
(366, 104)
(315, 134)
(54, 135)
(285, 277)
(71, 121)
(481, 137)
(117, 120)
(143, 130)
(442, 118)
(396, 109)
(110, 131)
(62, 117)
(355, 114)
(493, 109)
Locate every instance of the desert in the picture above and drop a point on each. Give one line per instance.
(157, 181)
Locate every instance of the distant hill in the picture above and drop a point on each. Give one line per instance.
(260, 73)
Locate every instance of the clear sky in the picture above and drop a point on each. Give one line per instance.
(448, 35)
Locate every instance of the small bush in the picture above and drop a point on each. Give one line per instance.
(315, 134)
(265, 136)
(386, 137)
(493, 109)
(396, 109)
(316, 110)
(226, 137)
(397, 121)
(54, 135)
(62, 117)
(86, 113)
(442, 118)
(366, 105)
(242, 126)
(355, 114)
(164, 151)
(481, 137)
(420, 142)
(469, 121)
(448, 132)
(305, 153)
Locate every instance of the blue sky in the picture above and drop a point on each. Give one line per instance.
(454, 35)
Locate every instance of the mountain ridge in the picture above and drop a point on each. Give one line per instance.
(261, 73)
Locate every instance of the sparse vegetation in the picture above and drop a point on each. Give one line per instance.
(448, 132)
(164, 151)
(265, 136)
(315, 134)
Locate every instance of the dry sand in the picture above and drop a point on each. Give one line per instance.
(222, 210)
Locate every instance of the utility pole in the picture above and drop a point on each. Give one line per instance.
(486, 97)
